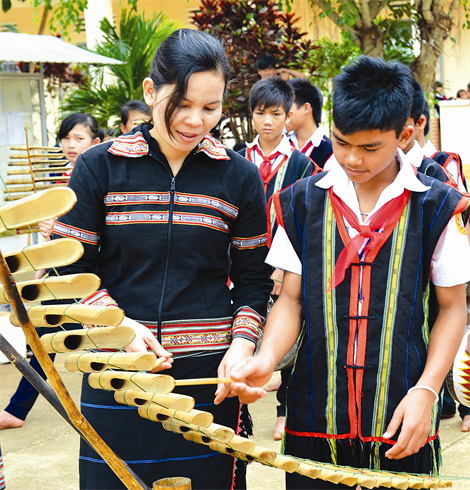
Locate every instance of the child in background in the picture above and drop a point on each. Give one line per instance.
(304, 119)
(380, 282)
(76, 133)
(133, 113)
(280, 166)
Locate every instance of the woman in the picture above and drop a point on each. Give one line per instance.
(180, 213)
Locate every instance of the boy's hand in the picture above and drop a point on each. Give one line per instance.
(414, 415)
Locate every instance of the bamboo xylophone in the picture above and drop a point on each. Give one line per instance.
(129, 374)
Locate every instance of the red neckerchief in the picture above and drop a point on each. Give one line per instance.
(304, 150)
(385, 218)
(265, 169)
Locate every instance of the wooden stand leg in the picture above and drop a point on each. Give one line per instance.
(174, 483)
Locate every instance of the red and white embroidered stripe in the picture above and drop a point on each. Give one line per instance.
(69, 231)
(247, 324)
(132, 146)
(213, 148)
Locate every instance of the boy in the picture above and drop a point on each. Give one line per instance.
(378, 247)
(280, 166)
(266, 65)
(304, 120)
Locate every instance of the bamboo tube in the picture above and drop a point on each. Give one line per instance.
(93, 338)
(29, 188)
(55, 287)
(197, 438)
(310, 471)
(367, 481)
(40, 170)
(173, 425)
(52, 161)
(202, 381)
(38, 207)
(171, 400)
(287, 464)
(221, 448)
(58, 178)
(263, 454)
(400, 483)
(241, 444)
(24, 148)
(24, 156)
(45, 255)
(120, 380)
(173, 483)
(95, 362)
(219, 432)
(160, 414)
(118, 466)
(329, 475)
(54, 315)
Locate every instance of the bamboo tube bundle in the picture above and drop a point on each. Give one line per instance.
(93, 338)
(157, 413)
(45, 255)
(55, 287)
(91, 362)
(122, 380)
(54, 315)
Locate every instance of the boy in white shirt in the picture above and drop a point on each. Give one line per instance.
(376, 260)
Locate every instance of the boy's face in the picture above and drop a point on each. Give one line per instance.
(297, 116)
(269, 122)
(267, 72)
(368, 157)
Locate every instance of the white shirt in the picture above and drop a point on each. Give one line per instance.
(450, 264)
(284, 148)
(429, 149)
(315, 138)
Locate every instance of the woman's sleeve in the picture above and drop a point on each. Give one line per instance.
(85, 221)
(249, 272)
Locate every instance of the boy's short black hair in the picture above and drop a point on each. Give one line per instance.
(306, 92)
(265, 61)
(419, 101)
(427, 113)
(372, 94)
(133, 105)
(271, 91)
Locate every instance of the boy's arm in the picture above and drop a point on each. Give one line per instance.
(281, 332)
(414, 411)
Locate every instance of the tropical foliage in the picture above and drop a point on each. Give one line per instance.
(109, 88)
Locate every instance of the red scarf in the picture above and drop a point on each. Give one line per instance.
(385, 218)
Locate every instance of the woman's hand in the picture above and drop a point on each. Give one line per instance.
(239, 350)
(46, 228)
(145, 340)
(277, 276)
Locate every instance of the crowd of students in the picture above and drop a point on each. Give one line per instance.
(368, 261)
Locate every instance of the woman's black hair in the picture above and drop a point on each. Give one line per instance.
(78, 118)
(181, 54)
(372, 94)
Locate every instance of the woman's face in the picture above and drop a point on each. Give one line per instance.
(76, 142)
(198, 113)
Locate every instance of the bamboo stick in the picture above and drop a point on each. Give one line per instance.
(57, 178)
(173, 401)
(54, 315)
(117, 380)
(160, 414)
(55, 287)
(24, 156)
(201, 381)
(23, 148)
(29, 188)
(130, 480)
(55, 253)
(40, 170)
(38, 207)
(93, 338)
(95, 362)
(46, 161)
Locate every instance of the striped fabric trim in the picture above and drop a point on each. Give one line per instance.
(331, 327)
(278, 186)
(181, 336)
(251, 242)
(213, 148)
(208, 202)
(131, 146)
(388, 325)
(2, 474)
(247, 324)
(136, 217)
(69, 231)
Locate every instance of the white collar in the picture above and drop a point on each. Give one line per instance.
(284, 147)
(316, 137)
(344, 188)
(429, 149)
(415, 155)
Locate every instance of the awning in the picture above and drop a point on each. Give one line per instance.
(34, 48)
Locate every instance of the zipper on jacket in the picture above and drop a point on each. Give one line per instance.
(170, 222)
